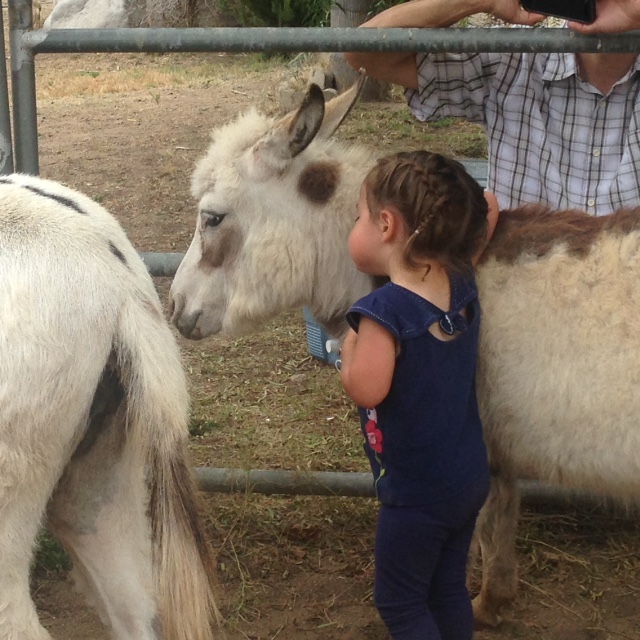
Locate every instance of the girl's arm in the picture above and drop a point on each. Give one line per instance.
(368, 361)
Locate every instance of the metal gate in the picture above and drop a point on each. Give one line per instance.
(19, 145)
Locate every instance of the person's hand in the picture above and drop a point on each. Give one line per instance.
(492, 220)
(511, 11)
(612, 16)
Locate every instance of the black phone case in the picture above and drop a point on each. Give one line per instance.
(577, 10)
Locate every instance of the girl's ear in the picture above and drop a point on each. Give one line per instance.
(390, 223)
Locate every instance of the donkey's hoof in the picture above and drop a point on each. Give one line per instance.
(483, 615)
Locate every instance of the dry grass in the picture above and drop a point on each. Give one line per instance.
(263, 402)
(97, 74)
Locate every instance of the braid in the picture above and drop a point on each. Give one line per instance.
(443, 208)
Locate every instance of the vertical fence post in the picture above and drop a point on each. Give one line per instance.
(23, 85)
(6, 151)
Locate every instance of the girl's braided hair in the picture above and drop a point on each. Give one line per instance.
(443, 207)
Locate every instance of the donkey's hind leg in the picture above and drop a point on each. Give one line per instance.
(98, 512)
(29, 470)
(20, 518)
(496, 534)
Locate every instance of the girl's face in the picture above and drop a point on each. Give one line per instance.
(365, 240)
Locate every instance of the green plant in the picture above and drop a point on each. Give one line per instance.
(50, 556)
(380, 5)
(202, 427)
(280, 13)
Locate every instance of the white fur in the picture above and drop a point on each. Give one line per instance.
(559, 362)
(283, 264)
(72, 455)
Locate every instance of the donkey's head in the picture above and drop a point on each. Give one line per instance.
(276, 203)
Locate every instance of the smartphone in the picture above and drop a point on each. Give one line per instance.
(576, 10)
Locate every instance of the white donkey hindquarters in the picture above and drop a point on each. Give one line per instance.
(558, 370)
(93, 402)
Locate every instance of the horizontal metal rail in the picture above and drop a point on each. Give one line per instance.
(360, 485)
(325, 39)
(288, 483)
(26, 43)
(162, 265)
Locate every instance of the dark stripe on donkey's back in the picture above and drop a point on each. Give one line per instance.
(67, 202)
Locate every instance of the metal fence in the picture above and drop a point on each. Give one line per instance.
(19, 145)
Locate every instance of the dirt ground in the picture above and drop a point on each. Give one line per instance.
(307, 576)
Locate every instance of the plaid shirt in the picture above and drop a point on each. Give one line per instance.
(552, 137)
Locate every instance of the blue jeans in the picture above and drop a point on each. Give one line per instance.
(421, 560)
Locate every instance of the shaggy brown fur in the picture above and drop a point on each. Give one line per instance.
(535, 230)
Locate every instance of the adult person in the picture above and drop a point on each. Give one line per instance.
(562, 128)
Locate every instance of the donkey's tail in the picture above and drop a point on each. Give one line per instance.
(158, 409)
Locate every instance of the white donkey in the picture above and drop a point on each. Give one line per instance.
(559, 362)
(93, 408)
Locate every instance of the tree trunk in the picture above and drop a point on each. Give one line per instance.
(352, 13)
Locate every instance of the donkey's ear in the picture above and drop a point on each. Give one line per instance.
(338, 109)
(288, 137)
(303, 125)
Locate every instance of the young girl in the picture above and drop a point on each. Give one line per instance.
(409, 363)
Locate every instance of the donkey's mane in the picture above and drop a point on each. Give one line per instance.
(536, 229)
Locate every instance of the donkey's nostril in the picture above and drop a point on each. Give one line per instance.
(176, 307)
(187, 326)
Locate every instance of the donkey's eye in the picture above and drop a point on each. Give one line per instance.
(212, 219)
